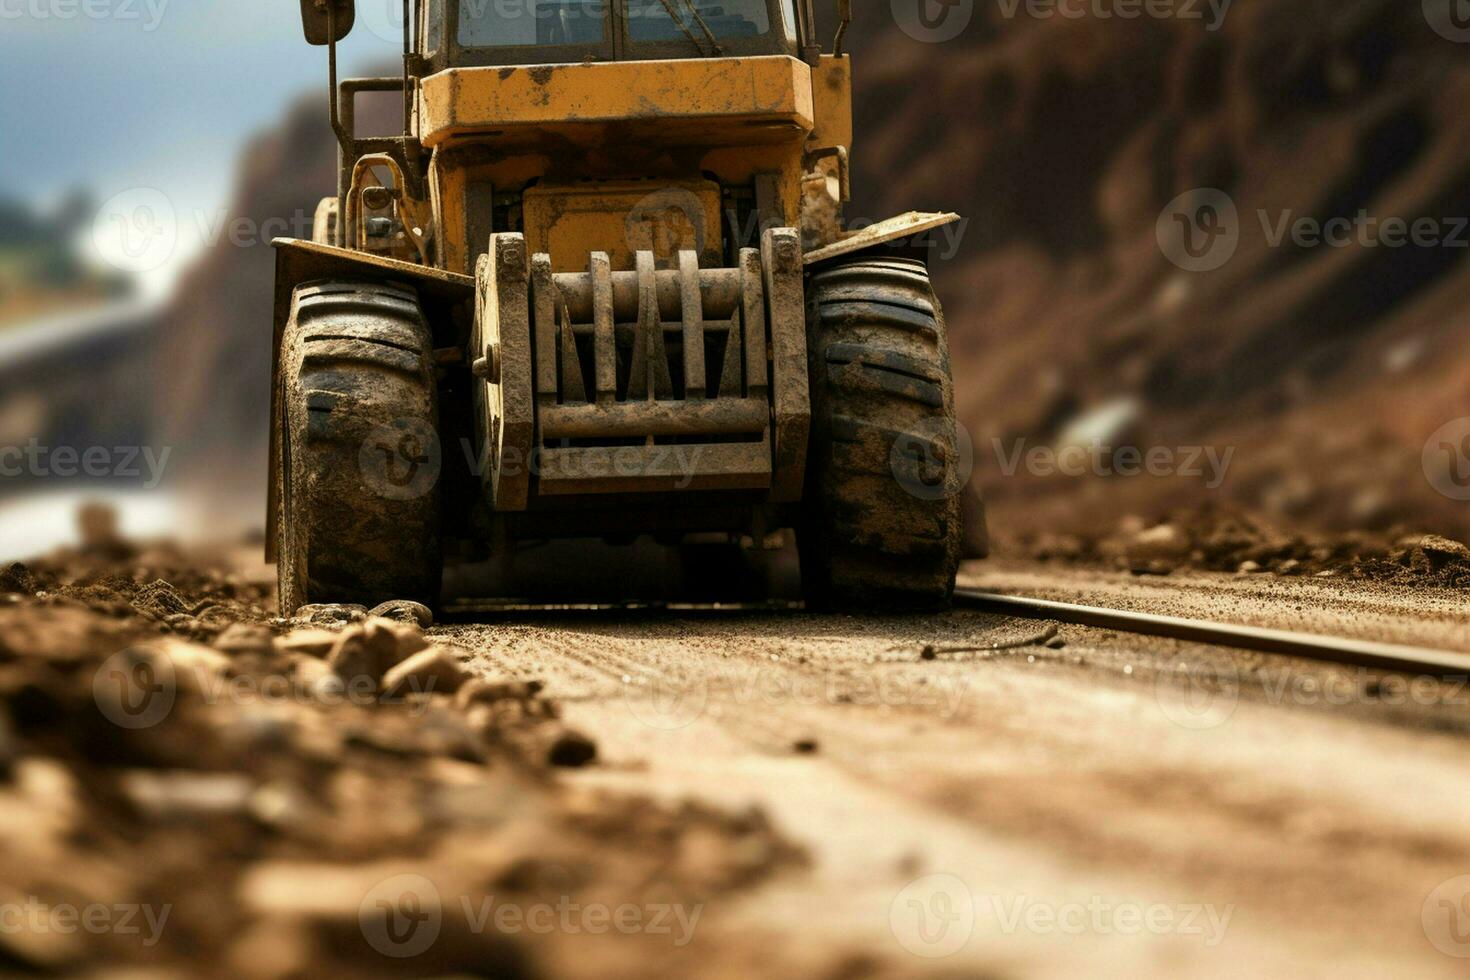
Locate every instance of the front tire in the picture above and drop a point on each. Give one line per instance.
(882, 528)
(359, 455)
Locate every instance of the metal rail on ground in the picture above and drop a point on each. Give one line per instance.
(1340, 650)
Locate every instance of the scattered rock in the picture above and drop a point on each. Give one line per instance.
(477, 690)
(245, 638)
(310, 643)
(571, 750)
(372, 648)
(16, 577)
(161, 599)
(327, 614)
(192, 660)
(1248, 568)
(1433, 544)
(58, 633)
(1056, 643)
(186, 795)
(433, 671)
(405, 611)
(275, 949)
(1158, 550)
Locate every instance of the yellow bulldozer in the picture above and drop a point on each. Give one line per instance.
(601, 286)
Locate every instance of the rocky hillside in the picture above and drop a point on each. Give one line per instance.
(1313, 374)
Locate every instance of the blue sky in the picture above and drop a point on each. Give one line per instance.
(120, 94)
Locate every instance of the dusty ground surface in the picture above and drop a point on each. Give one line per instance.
(772, 793)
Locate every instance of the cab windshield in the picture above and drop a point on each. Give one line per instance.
(701, 24)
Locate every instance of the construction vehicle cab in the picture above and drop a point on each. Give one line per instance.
(600, 286)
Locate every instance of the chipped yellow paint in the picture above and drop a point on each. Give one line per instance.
(722, 101)
(832, 101)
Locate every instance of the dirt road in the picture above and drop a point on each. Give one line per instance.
(1104, 805)
(721, 792)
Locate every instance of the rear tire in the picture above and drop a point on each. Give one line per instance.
(359, 456)
(881, 527)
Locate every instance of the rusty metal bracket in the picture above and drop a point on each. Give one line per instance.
(786, 301)
(503, 330)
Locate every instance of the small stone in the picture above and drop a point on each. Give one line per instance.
(1248, 568)
(477, 690)
(571, 750)
(1056, 643)
(16, 577)
(244, 638)
(1289, 567)
(1158, 550)
(191, 666)
(311, 643)
(1433, 544)
(314, 676)
(432, 671)
(372, 648)
(405, 611)
(805, 746)
(184, 795)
